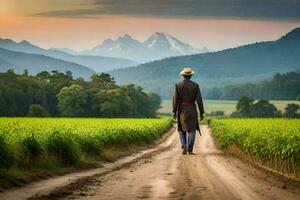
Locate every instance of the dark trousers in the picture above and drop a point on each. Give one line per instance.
(187, 139)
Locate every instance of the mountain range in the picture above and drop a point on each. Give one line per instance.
(157, 46)
(35, 63)
(110, 55)
(249, 63)
(95, 63)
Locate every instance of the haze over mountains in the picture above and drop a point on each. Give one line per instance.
(157, 46)
(96, 63)
(35, 63)
(249, 63)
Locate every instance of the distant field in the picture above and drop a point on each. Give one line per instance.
(213, 105)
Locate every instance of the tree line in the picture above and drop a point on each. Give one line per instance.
(281, 87)
(248, 107)
(58, 94)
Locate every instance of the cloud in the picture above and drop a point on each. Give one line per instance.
(278, 10)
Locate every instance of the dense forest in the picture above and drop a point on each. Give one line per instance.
(281, 86)
(58, 94)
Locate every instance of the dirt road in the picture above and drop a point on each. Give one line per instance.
(169, 175)
(207, 175)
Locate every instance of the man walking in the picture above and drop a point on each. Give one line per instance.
(186, 93)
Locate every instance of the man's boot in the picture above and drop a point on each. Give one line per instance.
(184, 150)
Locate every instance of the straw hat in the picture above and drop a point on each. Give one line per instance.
(187, 72)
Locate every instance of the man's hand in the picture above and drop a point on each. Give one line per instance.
(174, 116)
(201, 117)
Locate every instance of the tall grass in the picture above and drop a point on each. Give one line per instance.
(30, 142)
(271, 142)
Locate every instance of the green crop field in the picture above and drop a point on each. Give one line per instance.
(224, 105)
(271, 142)
(32, 142)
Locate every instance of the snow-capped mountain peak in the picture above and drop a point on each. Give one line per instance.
(155, 39)
(126, 40)
(159, 45)
(123, 42)
(166, 42)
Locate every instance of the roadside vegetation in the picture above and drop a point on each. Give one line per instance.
(274, 143)
(28, 144)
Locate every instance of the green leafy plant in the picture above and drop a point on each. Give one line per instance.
(6, 157)
(32, 150)
(272, 142)
(62, 147)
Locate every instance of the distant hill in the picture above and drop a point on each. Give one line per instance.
(284, 86)
(4, 66)
(157, 46)
(249, 63)
(35, 63)
(65, 50)
(97, 63)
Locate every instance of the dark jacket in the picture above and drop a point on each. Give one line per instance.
(186, 93)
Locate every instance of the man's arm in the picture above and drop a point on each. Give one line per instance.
(200, 102)
(175, 102)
